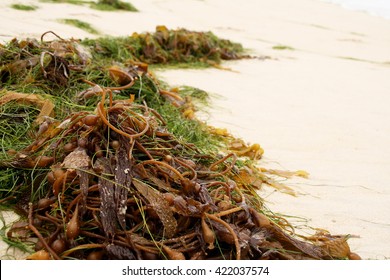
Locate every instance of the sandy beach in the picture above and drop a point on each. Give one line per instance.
(316, 98)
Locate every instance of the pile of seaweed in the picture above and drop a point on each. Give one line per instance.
(165, 46)
(104, 162)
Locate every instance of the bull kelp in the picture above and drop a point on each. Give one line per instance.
(104, 161)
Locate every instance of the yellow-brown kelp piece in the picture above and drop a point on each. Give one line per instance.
(45, 105)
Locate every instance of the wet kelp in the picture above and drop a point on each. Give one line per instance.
(90, 160)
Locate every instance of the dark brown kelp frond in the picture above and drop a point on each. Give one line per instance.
(158, 204)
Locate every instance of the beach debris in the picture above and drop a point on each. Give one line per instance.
(115, 169)
(166, 46)
(143, 192)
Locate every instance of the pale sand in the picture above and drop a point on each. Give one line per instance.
(310, 108)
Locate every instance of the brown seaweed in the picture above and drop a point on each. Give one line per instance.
(115, 183)
(143, 201)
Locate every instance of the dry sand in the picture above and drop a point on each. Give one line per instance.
(320, 105)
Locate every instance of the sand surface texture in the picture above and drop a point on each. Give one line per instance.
(319, 102)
